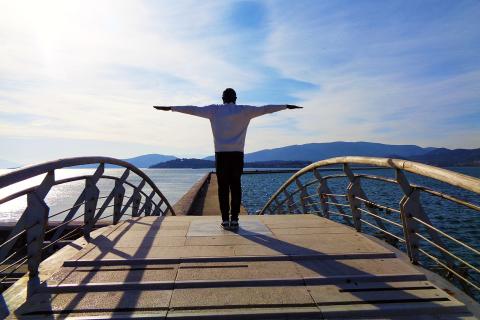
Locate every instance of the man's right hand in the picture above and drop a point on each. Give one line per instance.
(291, 106)
(163, 108)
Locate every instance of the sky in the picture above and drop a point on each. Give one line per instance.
(79, 78)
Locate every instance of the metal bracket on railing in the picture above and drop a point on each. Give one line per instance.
(322, 190)
(147, 206)
(157, 211)
(354, 189)
(277, 208)
(117, 203)
(303, 195)
(36, 224)
(91, 199)
(135, 199)
(118, 195)
(410, 207)
(290, 202)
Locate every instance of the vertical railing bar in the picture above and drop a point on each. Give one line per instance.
(94, 179)
(352, 190)
(91, 199)
(36, 224)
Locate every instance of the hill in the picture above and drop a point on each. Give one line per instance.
(202, 164)
(318, 151)
(450, 158)
(5, 164)
(143, 161)
(147, 160)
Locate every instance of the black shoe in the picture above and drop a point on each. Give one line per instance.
(234, 225)
(225, 225)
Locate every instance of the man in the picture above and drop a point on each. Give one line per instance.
(229, 123)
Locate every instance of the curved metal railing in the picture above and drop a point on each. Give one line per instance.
(38, 231)
(403, 213)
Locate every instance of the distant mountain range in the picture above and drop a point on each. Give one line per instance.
(144, 161)
(149, 160)
(449, 158)
(202, 163)
(317, 151)
(8, 164)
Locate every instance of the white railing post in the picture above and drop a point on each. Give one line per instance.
(290, 202)
(278, 208)
(91, 199)
(136, 198)
(321, 191)
(409, 208)
(303, 195)
(353, 189)
(117, 203)
(147, 206)
(157, 211)
(36, 224)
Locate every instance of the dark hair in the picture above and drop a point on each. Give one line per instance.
(229, 96)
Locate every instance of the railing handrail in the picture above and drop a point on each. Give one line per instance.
(440, 174)
(31, 171)
(37, 169)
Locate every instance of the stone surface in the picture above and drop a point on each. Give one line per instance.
(285, 288)
(201, 228)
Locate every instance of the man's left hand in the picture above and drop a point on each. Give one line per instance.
(291, 106)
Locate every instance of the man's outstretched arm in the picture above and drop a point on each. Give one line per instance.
(203, 112)
(258, 111)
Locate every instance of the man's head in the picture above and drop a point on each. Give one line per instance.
(229, 96)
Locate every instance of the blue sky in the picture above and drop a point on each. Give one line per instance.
(80, 77)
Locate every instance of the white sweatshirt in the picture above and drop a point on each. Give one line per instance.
(229, 122)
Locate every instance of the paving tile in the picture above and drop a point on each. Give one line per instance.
(102, 301)
(206, 251)
(415, 310)
(333, 243)
(311, 230)
(304, 223)
(222, 240)
(142, 233)
(257, 250)
(131, 253)
(114, 274)
(312, 268)
(213, 228)
(238, 270)
(132, 240)
(223, 298)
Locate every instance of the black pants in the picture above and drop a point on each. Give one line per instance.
(229, 167)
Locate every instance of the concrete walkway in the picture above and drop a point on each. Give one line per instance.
(274, 267)
(207, 204)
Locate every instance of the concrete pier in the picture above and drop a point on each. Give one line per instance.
(202, 199)
(274, 267)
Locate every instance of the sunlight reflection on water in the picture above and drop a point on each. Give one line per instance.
(173, 183)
